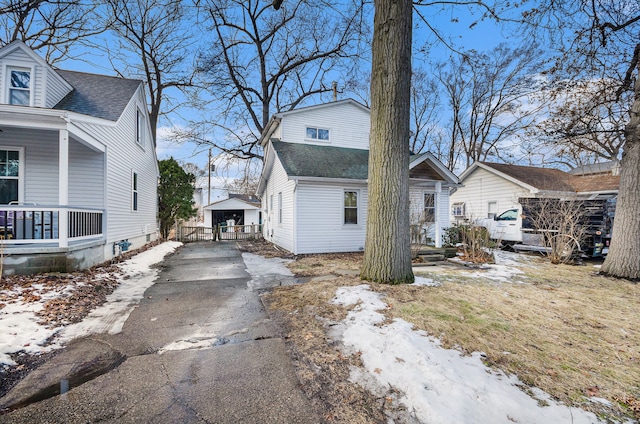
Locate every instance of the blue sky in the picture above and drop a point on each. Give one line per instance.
(453, 24)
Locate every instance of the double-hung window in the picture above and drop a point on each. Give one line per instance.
(350, 206)
(19, 86)
(429, 207)
(9, 175)
(317, 134)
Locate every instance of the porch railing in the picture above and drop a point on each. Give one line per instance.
(21, 225)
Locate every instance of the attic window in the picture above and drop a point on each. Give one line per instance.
(20, 87)
(319, 134)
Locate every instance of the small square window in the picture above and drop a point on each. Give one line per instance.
(457, 209)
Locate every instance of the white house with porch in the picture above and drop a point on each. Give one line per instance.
(313, 184)
(78, 168)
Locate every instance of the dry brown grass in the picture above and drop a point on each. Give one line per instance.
(304, 313)
(565, 329)
(568, 331)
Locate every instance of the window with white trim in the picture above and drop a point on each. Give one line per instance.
(134, 191)
(429, 207)
(457, 209)
(19, 86)
(350, 207)
(280, 208)
(10, 175)
(317, 134)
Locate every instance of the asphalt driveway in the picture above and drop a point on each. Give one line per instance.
(199, 348)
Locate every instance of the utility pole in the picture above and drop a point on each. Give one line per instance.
(209, 171)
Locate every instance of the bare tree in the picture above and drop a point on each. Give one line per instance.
(50, 26)
(263, 61)
(489, 96)
(598, 40)
(585, 122)
(424, 110)
(560, 225)
(153, 43)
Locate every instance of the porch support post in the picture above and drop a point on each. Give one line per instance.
(63, 187)
(438, 223)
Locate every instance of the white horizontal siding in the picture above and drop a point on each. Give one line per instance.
(320, 224)
(281, 234)
(56, 89)
(347, 123)
(480, 188)
(86, 177)
(123, 157)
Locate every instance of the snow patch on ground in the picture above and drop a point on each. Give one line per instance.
(19, 324)
(437, 385)
(424, 281)
(267, 272)
(138, 276)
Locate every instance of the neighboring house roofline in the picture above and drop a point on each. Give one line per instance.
(213, 205)
(548, 181)
(507, 177)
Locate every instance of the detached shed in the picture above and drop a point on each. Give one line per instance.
(242, 209)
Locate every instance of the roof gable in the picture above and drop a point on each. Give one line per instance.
(47, 86)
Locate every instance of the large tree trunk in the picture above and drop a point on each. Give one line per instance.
(623, 259)
(387, 256)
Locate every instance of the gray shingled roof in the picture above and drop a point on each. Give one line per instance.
(307, 160)
(97, 95)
